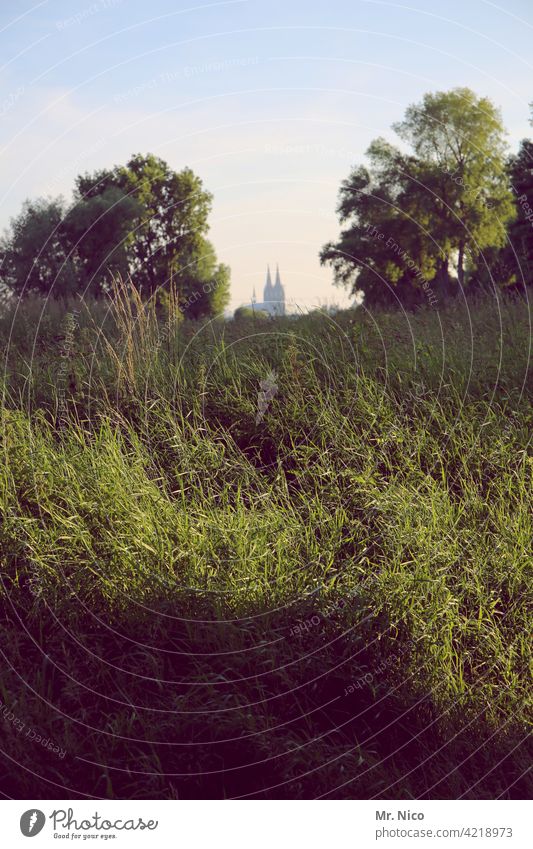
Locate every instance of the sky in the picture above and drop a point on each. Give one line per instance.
(270, 102)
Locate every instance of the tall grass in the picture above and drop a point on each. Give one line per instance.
(335, 600)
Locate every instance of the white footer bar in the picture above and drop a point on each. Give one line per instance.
(268, 824)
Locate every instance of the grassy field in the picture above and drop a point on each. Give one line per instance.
(332, 598)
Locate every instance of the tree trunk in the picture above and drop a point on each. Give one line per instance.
(442, 277)
(460, 264)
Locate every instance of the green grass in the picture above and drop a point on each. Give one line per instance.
(162, 549)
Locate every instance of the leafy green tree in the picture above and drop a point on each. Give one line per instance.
(386, 240)
(519, 252)
(248, 313)
(203, 283)
(99, 231)
(460, 138)
(512, 265)
(52, 250)
(143, 220)
(35, 254)
(444, 201)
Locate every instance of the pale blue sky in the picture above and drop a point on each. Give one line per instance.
(270, 102)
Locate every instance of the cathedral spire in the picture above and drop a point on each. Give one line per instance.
(269, 289)
(278, 293)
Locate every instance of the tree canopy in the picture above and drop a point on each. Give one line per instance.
(142, 219)
(414, 218)
(519, 251)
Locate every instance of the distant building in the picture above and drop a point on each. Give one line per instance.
(273, 302)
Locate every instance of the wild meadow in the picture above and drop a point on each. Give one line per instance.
(213, 589)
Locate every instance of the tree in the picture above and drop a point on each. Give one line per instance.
(35, 254)
(461, 138)
(169, 237)
(247, 313)
(387, 241)
(142, 220)
(204, 283)
(512, 265)
(518, 254)
(412, 216)
(52, 250)
(99, 231)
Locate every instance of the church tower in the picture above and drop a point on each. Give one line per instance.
(273, 301)
(268, 294)
(279, 294)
